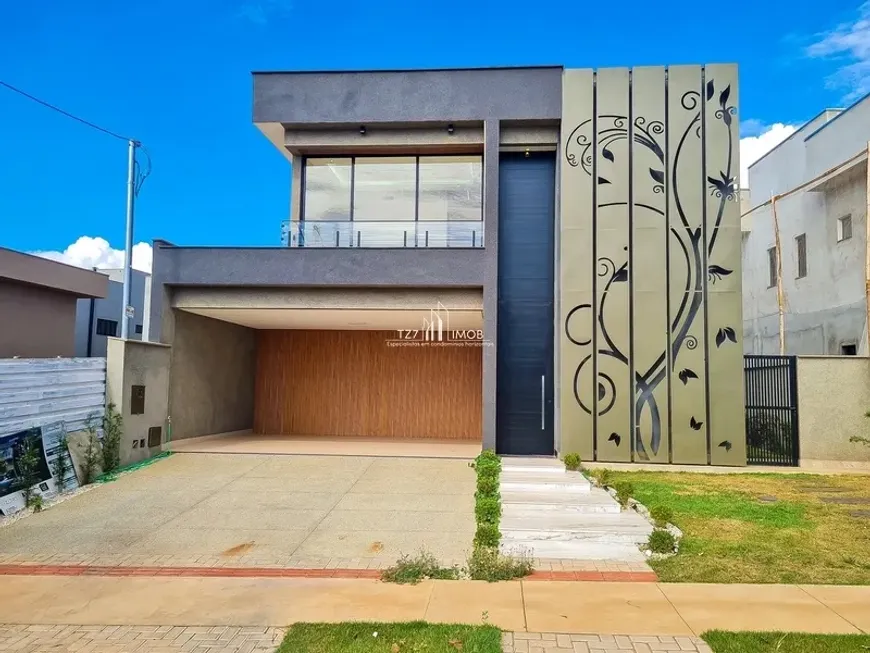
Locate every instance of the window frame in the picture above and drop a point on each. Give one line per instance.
(801, 242)
(772, 267)
(105, 321)
(841, 237)
(398, 155)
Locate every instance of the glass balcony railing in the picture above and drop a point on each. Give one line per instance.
(425, 233)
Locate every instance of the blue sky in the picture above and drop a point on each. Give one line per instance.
(176, 75)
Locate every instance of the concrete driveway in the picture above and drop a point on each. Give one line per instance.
(258, 510)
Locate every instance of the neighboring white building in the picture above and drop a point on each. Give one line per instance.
(822, 169)
(98, 319)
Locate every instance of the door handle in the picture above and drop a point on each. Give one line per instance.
(543, 425)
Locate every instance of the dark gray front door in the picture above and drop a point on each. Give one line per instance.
(524, 387)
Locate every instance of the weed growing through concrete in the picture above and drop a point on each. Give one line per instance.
(410, 570)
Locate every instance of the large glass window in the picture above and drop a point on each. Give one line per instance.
(451, 188)
(384, 188)
(394, 189)
(327, 189)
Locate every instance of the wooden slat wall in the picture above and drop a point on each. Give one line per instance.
(351, 383)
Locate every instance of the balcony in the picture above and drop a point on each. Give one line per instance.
(383, 234)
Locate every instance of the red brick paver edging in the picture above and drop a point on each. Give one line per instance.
(283, 572)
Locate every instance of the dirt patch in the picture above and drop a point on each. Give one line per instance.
(376, 547)
(239, 549)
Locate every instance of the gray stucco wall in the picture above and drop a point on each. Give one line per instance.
(212, 373)
(408, 96)
(130, 363)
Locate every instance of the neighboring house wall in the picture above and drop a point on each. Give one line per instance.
(827, 308)
(35, 322)
(111, 308)
(38, 304)
(833, 399)
(213, 366)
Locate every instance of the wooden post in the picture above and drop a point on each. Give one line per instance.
(780, 296)
(867, 249)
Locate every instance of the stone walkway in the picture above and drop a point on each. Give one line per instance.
(565, 643)
(138, 639)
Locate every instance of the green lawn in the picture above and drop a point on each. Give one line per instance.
(731, 535)
(413, 637)
(727, 642)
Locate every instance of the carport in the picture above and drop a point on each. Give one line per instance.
(332, 365)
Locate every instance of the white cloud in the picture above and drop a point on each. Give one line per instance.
(850, 43)
(89, 252)
(753, 148)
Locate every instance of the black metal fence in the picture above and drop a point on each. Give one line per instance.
(771, 410)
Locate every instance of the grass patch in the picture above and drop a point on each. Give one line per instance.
(410, 570)
(728, 642)
(731, 535)
(412, 637)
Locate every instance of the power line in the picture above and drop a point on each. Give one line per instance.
(65, 113)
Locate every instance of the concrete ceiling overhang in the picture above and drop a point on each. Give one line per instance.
(342, 309)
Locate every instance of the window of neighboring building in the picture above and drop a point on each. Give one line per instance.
(844, 228)
(801, 243)
(107, 327)
(138, 328)
(771, 264)
(451, 188)
(849, 350)
(327, 189)
(384, 188)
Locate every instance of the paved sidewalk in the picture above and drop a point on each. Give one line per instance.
(567, 643)
(642, 609)
(141, 639)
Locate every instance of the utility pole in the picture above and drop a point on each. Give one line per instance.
(128, 249)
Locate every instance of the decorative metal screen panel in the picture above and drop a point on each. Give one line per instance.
(650, 350)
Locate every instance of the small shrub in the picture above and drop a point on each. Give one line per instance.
(624, 490)
(35, 502)
(487, 535)
(485, 458)
(26, 467)
(487, 509)
(411, 570)
(487, 563)
(487, 486)
(61, 465)
(92, 452)
(113, 427)
(572, 462)
(662, 515)
(661, 541)
(603, 476)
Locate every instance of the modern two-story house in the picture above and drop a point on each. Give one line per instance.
(538, 260)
